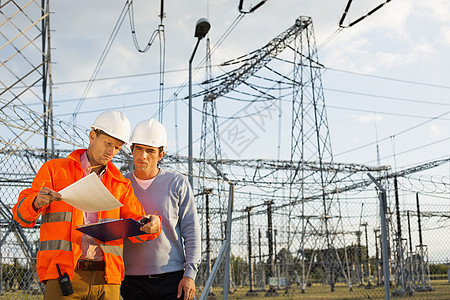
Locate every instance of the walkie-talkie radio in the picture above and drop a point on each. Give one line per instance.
(64, 283)
(144, 221)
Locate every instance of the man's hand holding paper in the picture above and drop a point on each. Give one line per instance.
(44, 197)
(89, 194)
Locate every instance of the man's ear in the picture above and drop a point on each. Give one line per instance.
(92, 135)
(161, 155)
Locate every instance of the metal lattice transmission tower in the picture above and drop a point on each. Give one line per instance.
(228, 82)
(210, 144)
(210, 193)
(25, 110)
(310, 141)
(25, 69)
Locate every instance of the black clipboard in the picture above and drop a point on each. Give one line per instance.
(113, 230)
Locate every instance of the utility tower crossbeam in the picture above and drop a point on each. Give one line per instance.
(257, 61)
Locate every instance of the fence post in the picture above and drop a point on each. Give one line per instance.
(384, 249)
(223, 253)
(226, 281)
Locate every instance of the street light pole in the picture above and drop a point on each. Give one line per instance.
(201, 29)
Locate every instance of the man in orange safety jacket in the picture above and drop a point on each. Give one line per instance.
(95, 268)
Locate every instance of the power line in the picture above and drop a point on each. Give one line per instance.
(390, 113)
(347, 7)
(219, 65)
(397, 134)
(390, 78)
(159, 32)
(389, 97)
(102, 59)
(417, 148)
(118, 77)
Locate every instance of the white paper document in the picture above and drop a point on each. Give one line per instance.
(89, 194)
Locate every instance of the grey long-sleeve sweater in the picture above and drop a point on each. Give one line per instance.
(179, 245)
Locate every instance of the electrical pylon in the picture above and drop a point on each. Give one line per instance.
(25, 70)
(211, 191)
(310, 141)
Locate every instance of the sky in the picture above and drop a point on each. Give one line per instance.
(385, 80)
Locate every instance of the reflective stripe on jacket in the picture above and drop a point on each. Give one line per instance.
(60, 242)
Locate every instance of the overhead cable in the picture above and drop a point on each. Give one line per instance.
(159, 32)
(347, 7)
(252, 9)
(101, 60)
(399, 133)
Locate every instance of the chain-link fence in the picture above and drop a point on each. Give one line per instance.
(300, 230)
(280, 246)
(18, 245)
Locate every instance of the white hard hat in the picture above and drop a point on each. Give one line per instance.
(150, 133)
(113, 123)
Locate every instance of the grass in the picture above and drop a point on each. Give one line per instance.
(20, 295)
(321, 292)
(317, 292)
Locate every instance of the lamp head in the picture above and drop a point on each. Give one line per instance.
(202, 28)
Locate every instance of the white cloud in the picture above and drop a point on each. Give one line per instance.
(445, 34)
(419, 51)
(367, 118)
(369, 56)
(437, 9)
(356, 140)
(434, 130)
(398, 34)
(405, 39)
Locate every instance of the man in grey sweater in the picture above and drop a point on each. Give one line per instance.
(164, 268)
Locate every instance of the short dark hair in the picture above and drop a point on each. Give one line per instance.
(160, 149)
(100, 132)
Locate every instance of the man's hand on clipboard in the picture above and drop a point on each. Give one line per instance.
(151, 223)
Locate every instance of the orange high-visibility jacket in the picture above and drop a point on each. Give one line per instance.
(59, 242)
